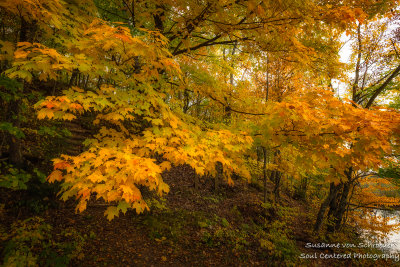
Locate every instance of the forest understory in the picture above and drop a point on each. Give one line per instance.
(199, 132)
(189, 227)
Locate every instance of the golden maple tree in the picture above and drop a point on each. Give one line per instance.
(165, 83)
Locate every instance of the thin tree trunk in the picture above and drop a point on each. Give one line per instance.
(357, 72)
(15, 144)
(267, 84)
(74, 76)
(218, 177)
(185, 101)
(265, 174)
(278, 176)
(196, 181)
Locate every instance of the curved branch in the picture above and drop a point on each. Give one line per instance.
(382, 87)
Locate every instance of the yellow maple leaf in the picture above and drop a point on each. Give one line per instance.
(165, 165)
(55, 176)
(68, 116)
(45, 112)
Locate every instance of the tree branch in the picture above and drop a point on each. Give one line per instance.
(382, 87)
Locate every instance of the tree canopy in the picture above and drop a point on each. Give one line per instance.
(204, 83)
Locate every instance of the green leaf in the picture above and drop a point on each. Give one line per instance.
(11, 129)
(111, 212)
(123, 206)
(40, 175)
(13, 89)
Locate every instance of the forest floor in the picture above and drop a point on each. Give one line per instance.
(188, 228)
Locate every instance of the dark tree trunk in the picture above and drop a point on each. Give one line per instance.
(218, 177)
(74, 77)
(342, 206)
(196, 181)
(158, 23)
(265, 174)
(15, 144)
(272, 176)
(335, 201)
(186, 101)
(338, 215)
(321, 213)
(278, 176)
(341, 201)
(258, 155)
